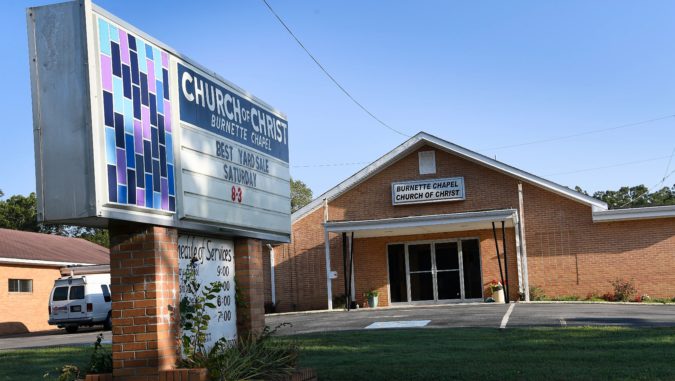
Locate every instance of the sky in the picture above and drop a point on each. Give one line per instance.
(486, 75)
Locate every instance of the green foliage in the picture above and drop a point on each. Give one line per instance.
(194, 316)
(634, 197)
(19, 213)
(371, 294)
(624, 290)
(253, 358)
(65, 373)
(100, 362)
(537, 293)
(301, 195)
(101, 358)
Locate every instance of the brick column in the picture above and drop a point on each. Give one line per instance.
(248, 267)
(144, 284)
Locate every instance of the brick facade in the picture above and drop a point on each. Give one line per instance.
(248, 264)
(567, 253)
(144, 283)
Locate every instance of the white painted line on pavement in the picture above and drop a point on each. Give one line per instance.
(399, 324)
(505, 319)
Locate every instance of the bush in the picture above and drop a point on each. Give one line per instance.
(537, 293)
(101, 358)
(340, 301)
(567, 298)
(253, 358)
(624, 290)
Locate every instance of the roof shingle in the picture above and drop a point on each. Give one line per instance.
(15, 244)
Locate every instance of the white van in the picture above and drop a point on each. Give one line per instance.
(81, 300)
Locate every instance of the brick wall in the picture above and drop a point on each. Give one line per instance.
(23, 312)
(567, 253)
(144, 282)
(248, 264)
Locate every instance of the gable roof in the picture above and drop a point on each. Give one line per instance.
(49, 250)
(421, 139)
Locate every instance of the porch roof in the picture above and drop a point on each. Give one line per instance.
(412, 225)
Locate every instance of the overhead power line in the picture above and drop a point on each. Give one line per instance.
(590, 132)
(608, 166)
(329, 164)
(316, 61)
(666, 175)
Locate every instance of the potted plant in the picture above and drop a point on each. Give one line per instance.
(372, 297)
(497, 291)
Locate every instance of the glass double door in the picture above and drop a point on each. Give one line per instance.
(435, 271)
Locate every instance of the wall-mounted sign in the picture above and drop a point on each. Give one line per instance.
(127, 128)
(212, 260)
(423, 191)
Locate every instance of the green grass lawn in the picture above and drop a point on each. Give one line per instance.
(490, 354)
(445, 354)
(32, 364)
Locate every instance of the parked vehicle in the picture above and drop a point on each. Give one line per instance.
(81, 300)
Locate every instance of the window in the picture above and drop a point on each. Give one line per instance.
(20, 285)
(427, 162)
(76, 292)
(106, 292)
(60, 293)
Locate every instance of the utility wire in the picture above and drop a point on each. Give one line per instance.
(316, 61)
(609, 166)
(579, 134)
(329, 164)
(670, 160)
(657, 185)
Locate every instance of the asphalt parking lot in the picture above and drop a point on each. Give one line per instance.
(439, 316)
(481, 315)
(54, 338)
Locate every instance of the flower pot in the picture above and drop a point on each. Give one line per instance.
(498, 296)
(372, 301)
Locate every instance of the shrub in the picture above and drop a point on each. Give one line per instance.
(340, 301)
(253, 358)
(65, 373)
(568, 298)
(537, 293)
(101, 358)
(624, 290)
(608, 297)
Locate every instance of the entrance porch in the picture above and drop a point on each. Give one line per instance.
(430, 259)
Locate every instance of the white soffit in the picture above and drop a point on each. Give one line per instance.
(634, 214)
(422, 138)
(436, 223)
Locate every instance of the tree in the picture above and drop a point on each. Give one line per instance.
(1, 193)
(20, 213)
(301, 195)
(634, 197)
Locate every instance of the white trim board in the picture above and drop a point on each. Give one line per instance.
(37, 262)
(632, 214)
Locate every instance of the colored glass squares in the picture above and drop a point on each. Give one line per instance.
(136, 120)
